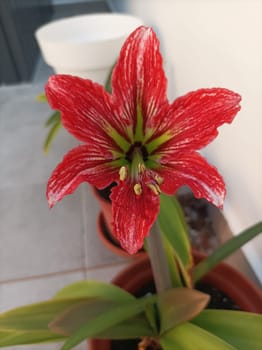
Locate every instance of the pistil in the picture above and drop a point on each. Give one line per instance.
(137, 163)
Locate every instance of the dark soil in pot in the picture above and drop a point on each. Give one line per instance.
(201, 231)
(218, 299)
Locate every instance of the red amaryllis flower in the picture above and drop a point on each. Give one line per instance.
(136, 138)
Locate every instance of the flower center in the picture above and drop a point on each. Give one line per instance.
(136, 157)
(138, 169)
(135, 148)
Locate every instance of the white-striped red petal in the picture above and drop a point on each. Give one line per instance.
(83, 163)
(133, 215)
(193, 170)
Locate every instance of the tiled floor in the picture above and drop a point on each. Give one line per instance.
(41, 250)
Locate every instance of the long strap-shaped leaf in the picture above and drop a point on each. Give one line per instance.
(34, 317)
(225, 250)
(94, 289)
(176, 306)
(10, 338)
(189, 336)
(173, 226)
(41, 98)
(38, 316)
(132, 328)
(55, 126)
(240, 329)
(179, 305)
(108, 319)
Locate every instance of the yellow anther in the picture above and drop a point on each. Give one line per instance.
(159, 179)
(138, 189)
(123, 173)
(158, 188)
(141, 168)
(154, 188)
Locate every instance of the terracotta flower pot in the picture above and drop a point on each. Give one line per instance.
(223, 277)
(105, 206)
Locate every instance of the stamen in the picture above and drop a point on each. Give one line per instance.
(138, 189)
(154, 188)
(141, 168)
(159, 179)
(158, 188)
(123, 173)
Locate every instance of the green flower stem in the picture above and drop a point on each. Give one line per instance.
(158, 259)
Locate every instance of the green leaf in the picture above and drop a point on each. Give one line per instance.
(74, 317)
(54, 118)
(132, 328)
(90, 289)
(173, 226)
(30, 324)
(225, 250)
(179, 305)
(152, 317)
(41, 98)
(188, 336)
(172, 265)
(10, 338)
(51, 135)
(108, 86)
(243, 330)
(35, 316)
(109, 319)
(68, 322)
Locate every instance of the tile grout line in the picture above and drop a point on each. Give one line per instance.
(60, 273)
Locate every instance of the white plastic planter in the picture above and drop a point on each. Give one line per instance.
(86, 45)
(212, 43)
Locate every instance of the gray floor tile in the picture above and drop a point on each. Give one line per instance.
(106, 273)
(9, 93)
(20, 293)
(22, 136)
(23, 177)
(55, 346)
(36, 240)
(19, 106)
(96, 253)
(42, 71)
